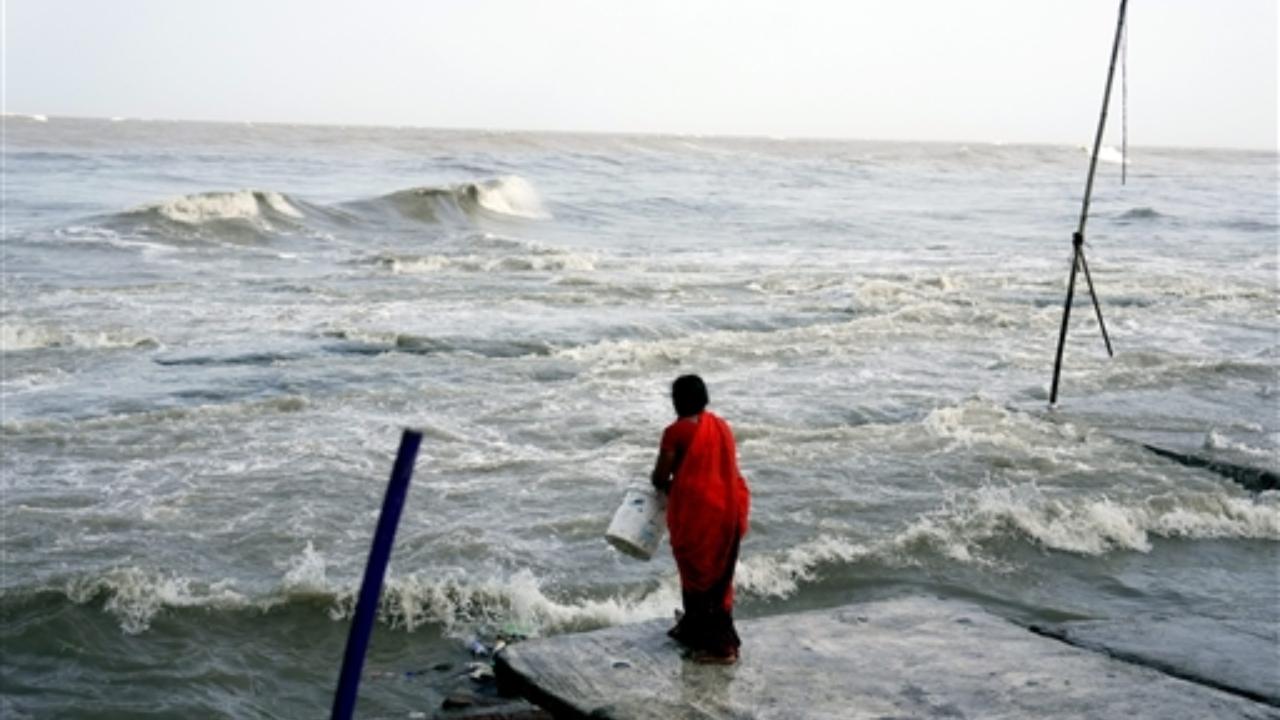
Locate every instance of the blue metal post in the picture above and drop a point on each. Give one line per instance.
(344, 700)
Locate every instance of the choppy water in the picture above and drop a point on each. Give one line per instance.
(204, 385)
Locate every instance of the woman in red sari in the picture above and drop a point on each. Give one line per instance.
(707, 507)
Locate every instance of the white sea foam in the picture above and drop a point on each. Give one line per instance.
(16, 337)
(511, 195)
(422, 265)
(90, 234)
(236, 412)
(33, 380)
(136, 596)
(1216, 440)
(628, 356)
(1091, 525)
(306, 573)
(235, 205)
(461, 604)
(1111, 154)
(780, 575)
(462, 601)
(555, 261)
(540, 263)
(962, 531)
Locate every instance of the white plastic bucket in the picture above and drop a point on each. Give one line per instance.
(639, 523)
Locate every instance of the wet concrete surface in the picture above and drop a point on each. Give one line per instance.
(905, 658)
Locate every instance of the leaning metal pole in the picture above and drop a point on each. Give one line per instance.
(1077, 238)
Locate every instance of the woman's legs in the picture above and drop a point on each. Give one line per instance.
(707, 625)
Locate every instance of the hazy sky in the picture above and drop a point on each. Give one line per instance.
(1201, 72)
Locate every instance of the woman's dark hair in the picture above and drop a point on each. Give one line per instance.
(689, 395)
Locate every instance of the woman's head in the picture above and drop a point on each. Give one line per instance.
(689, 395)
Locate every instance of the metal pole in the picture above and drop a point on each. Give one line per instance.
(1097, 308)
(1077, 238)
(1102, 120)
(344, 699)
(1066, 316)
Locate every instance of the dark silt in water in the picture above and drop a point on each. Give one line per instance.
(213, 334)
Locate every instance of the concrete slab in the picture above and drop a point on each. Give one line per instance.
(1240, 656)
(1180, 439)
(906, 658)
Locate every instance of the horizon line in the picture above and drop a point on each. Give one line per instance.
(46, 117)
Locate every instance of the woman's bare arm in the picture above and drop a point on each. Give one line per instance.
(662, 470)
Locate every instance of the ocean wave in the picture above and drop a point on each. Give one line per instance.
(1085, 525)
(970, 528)
(975, 528)
(97, 236)
(32, 379)
(977, 420)
(369, 342)
(626, 356)
(1216, 440)
(254, 206)
(456, 600)
(1145, 369)
(551, 261)
(782, 574)
(1140, 213)
(509, 196)
(33, 117)
(134, 596)
(1109, 154)
(1185, 286)
(786, 338)
(519, 601)
(1251, 225)
(234, 217)
(15, 337)
(166, 417)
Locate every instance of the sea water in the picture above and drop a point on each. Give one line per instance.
(214, 333)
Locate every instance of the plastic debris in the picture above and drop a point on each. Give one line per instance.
(512, 632)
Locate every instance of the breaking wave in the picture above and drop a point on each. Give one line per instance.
(781, 575)
(135, 596)
(510, 196)
(453, 599)
(1215, 439)
(252, 215)
(15, 337)
(1110, 154)
(253, 206)
(372, 342)
(972, 527)
(1088, 525)
(969, 529)
(551, 261)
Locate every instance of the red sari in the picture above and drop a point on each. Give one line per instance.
(707, 511)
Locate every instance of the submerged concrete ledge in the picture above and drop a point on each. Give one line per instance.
(905, 658)
(1175, 439)
(1239, 656)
